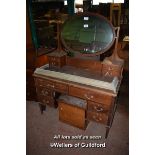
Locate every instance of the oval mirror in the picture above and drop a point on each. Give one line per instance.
(87, 33)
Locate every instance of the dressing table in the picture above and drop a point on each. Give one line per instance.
(74, 68)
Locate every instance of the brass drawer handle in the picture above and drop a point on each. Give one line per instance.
(45, 101)
(44, 92)
(49, 85)
(97, 118)
(98, 109)
(87, 97)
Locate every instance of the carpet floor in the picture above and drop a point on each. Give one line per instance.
(41, 129)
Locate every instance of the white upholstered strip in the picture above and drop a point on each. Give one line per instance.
(78, 79)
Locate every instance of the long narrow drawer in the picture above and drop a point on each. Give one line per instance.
(61, 87)
(97, 117)
(90, 95)
(99, 108)
(44, 83)
(58, 86)
(46, 100)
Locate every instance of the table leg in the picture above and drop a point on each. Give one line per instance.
(42, 107)
(107, 132)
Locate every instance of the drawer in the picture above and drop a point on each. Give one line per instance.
(54, 59)
(44, 91)
(90, 95)
(97, 117)
(54, 63)
(46, 100)
(44, 83)
(98, 108)
(111, 70)
(57, 61)
(61, 87)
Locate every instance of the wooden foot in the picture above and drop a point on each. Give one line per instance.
(56, 96)
(55, 104)
(107, 132)
(42, 108)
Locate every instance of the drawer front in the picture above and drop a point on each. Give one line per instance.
(111, 70)
(57, 61)
(61, 87)
(90, 95)
(46, 100)
(44, 91)
(54, 59)
(97, 117)
(54, 63)
(44, 83)
(98, 108)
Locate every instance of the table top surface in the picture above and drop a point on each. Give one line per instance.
(81, 77)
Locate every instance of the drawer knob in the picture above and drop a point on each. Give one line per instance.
(97, 118)
(91, 96)
(44, 92)
(88, 97)
(98, 109)
(49, 85)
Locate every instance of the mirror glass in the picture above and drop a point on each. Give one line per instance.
(87, 33)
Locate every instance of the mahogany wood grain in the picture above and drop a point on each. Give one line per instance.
(97, 117)
(97, 107)
(72, 115)
(90, 95)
